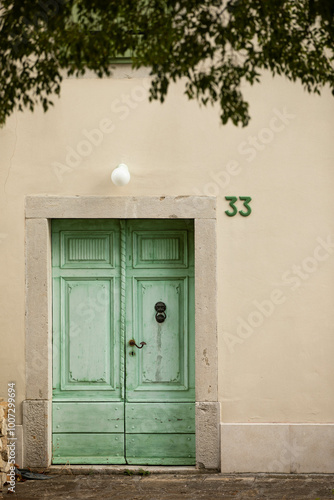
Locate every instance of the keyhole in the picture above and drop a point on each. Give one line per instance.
(132, 353)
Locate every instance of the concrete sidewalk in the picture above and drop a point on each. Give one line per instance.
(190, 486)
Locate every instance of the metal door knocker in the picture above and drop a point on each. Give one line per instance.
(160, 307)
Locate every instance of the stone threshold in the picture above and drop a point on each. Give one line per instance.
(121, 469)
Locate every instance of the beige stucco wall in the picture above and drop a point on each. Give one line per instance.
(271, 369)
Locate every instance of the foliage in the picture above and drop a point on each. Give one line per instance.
(140, 472)
(215, 46)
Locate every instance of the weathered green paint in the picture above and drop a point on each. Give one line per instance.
(108, 276)
(160, 418)
(163, 449)
(79, 417)
(89, 448)
(86, 309)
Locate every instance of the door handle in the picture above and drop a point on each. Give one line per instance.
(133, 342)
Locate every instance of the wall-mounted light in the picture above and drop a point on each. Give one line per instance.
(120, 176)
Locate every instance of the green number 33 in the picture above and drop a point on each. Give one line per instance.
(233, 200)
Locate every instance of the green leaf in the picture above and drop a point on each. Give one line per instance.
(214, 49)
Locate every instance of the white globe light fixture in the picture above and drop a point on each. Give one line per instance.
(120, 176)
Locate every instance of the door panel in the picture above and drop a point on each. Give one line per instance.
(163, 449)
(89, 448)
(158, 249)
(162, 364)
(86, 307)
(87, 335)
(95, 250)
(79, 417)
(115, 403)
(160, 418)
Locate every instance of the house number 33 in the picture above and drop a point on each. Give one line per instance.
(234, 211)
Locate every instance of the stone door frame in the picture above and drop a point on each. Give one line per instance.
(39, 212)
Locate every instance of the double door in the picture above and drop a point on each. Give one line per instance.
(123, 342)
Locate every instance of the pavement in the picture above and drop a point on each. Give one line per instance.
(145, 485)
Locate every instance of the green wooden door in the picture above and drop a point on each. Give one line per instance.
(113, 402)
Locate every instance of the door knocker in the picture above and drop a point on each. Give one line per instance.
(160, 316)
